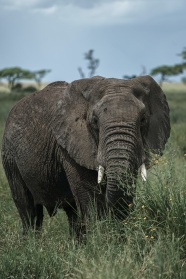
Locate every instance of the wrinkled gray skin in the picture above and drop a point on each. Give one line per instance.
(55, 140)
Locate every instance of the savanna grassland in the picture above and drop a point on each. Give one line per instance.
(151, 243)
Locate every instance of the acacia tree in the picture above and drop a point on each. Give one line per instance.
(183, 64)
(166, 71)
(15, 74)
(129, 76)
(143, 72)
(183, 54)
(92, 64)
(39, 75)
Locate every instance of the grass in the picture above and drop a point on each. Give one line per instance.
(151, 243)
(174, 87)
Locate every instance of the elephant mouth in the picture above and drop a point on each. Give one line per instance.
(101, 172)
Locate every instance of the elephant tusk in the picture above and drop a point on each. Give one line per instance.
(143, 172)
(100, 173)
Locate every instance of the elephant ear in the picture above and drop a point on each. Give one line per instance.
(159, 124)
(72, 131)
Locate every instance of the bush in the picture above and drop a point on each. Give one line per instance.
(183, 80)
(30, 89)
(17, 87)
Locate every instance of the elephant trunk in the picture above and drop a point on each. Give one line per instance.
(120, 190)
(121, 167)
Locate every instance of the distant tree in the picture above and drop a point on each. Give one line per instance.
(129, 77)
(92, 64)
(15, 74)
(39, 75)
(183, 54)
(183, 80)
(183, 64)
(165, 71)
(143, 72)
(82, 75)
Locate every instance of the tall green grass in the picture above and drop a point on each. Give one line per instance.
(150, 243)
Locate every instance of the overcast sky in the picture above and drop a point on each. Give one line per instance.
(126, 35)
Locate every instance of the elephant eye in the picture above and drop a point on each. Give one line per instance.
(95, 122)
(143, 120)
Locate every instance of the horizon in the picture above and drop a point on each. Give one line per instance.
(127, 36)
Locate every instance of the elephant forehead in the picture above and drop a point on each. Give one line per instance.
(123, 102)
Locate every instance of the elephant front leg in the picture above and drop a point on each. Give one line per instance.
(76, 226)
(83, 184)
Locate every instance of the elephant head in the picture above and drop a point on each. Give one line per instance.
(110, 125)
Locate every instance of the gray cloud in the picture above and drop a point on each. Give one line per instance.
(120, 12)
(97, 12)
(22, 4)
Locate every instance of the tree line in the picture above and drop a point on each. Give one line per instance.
(163, 71)
(166, 71)
(15, 75)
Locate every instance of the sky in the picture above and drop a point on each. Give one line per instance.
(127, 36)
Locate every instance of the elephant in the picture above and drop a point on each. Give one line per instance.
(68, 145)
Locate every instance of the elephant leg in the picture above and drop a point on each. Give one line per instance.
(83, 183)
(23, 199)
(76, 227)
(39, 217)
